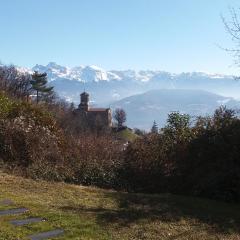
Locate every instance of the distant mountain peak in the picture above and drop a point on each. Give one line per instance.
(93, 73)
(81, 73)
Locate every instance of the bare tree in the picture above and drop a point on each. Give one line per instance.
(14, 82)
(232, 26)
(120, 116)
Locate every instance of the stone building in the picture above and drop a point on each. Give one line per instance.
(94, 117)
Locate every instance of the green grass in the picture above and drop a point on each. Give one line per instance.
(92, 213)
(127, 135)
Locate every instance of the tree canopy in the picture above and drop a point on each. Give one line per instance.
(120, 116)
(39, 84)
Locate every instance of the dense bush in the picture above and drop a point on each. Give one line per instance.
(213, 167)
(99, 161)
(33, 144)
(201, 159)
(30, 139)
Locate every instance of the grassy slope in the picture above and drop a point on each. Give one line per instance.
(127, 135)
(91, 213)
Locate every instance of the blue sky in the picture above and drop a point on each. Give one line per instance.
(171, 35)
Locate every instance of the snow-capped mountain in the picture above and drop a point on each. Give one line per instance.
(81, 73)
(107, 86)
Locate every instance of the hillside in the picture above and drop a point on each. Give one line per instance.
(92, 213)
(126, 135)
(142, 109)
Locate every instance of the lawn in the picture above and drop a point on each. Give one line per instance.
(92, 213)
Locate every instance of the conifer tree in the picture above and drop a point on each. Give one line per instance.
(154, 128)
(39, 84)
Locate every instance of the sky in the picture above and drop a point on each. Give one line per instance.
(170, 35)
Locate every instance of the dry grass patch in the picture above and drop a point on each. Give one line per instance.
(91, 213)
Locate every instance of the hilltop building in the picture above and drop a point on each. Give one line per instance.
(94, 117)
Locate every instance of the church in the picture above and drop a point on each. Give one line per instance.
(94, 117)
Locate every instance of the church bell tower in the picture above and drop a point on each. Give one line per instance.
(84, 104)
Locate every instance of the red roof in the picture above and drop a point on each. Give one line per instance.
(97, 109)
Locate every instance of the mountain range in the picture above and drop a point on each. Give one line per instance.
(143, 109)
(146, 95)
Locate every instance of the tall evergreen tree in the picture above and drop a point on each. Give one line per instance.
(39, 84)
(154, 128)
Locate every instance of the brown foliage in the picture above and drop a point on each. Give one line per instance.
(15, 83)
(120, 116)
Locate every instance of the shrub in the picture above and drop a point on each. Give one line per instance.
(202, 159)
(98, 161)
(30, 139)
